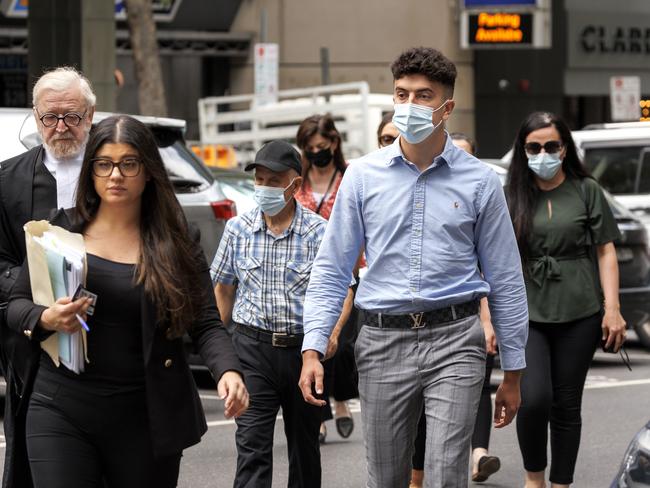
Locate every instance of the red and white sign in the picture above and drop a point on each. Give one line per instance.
(267, 60)
(625, 95)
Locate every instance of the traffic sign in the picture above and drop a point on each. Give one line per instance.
(267, 62)
(625, 96)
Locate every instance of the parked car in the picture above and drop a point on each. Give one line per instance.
(238, 186)
(197, 190)
(635, 467)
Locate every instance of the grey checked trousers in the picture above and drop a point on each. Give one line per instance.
(439, 368)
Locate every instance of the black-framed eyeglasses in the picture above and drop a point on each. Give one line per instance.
(386, 140)
(128, 167)
(71, 119)
(550, 147)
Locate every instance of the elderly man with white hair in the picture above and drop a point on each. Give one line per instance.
(31, 186)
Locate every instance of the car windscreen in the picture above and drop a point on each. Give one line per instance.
(615, 168)
(186, 172)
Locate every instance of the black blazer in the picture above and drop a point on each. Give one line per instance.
(175, 412)
(16, 352)
(16, 206)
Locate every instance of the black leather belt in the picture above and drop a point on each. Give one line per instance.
(276, 339)
(421, 319)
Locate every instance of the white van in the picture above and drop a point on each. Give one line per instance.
(618, 156)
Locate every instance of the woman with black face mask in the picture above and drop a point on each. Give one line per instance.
(324, 165)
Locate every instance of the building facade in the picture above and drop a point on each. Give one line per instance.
(207, 49)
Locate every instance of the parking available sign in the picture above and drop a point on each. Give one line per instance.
(625, 95)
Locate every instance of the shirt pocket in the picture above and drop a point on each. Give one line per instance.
(250, 270)
(298, 273)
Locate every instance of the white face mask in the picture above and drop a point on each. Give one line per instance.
(271, 199)
(415, 122)
(545, 165)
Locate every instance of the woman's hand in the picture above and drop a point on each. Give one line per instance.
(613, 326)
(332, 346)
(231, 388)
(490, 337)
(62, 315)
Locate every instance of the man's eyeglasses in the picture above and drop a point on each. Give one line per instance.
(386, 140)
(550, 147)
(71, 119)
(128, 167)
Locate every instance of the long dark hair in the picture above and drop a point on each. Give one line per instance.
(169, 262)
(324, 126)
(522, 191)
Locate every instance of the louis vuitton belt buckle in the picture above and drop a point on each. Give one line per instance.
(418, 322)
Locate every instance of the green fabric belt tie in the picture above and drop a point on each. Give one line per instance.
(546, 267)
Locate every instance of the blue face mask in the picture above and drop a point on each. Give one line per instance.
(270, 199)
(415, 122)
(545, 165)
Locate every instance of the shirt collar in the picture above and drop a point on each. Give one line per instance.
(447, 155)
(50, 159)
(259, 224)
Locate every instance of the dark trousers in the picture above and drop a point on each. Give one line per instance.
(271, 375)
(341, 377)
(557, 361)
(81, 440)
(482, 427)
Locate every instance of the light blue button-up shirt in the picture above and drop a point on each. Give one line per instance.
(425, 234)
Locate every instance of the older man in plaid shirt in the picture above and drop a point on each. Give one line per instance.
(261, 271)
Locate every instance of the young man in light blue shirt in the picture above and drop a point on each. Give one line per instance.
(438, 237)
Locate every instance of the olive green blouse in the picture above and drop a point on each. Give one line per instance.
(561, 277)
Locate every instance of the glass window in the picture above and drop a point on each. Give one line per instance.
(615, 168)
(644, 174)
(185, 171)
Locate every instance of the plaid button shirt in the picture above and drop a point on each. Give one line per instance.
(271, 272)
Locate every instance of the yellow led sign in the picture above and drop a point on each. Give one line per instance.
(500, 28)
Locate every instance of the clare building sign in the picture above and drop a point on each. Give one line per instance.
(621, 40)
(601, 44)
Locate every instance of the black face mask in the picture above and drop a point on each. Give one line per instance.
(321, 158)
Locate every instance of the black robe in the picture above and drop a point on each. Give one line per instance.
(17, 353)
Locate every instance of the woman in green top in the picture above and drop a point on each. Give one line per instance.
(559, 215)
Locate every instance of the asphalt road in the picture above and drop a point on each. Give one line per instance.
(616, 404)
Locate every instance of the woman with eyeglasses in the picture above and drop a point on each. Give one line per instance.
(386, 132)
(324, 165)
(126, 419)
(565, 232)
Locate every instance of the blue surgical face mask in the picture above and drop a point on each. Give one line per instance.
(270, 199)
(545, 165)
(415, 122)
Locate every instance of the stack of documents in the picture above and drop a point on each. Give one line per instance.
(66, 269)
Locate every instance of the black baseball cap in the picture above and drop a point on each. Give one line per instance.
(278, 156)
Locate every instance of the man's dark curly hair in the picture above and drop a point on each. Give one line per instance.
(428, 62)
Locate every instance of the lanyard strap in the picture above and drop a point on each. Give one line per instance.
(329, 187)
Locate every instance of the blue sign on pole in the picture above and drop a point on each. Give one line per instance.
(498, 3)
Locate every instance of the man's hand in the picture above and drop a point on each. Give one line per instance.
(312, 374)
(508, 399)
(231, 388)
